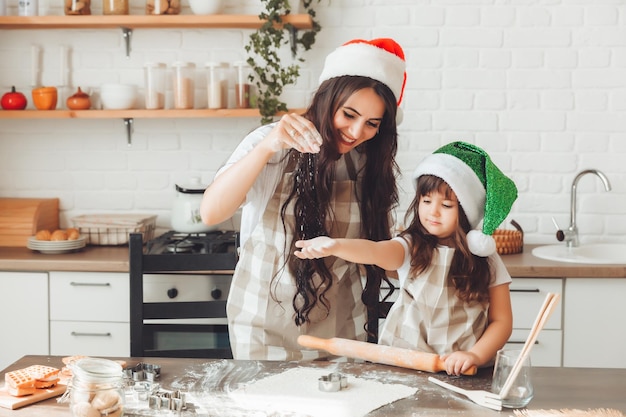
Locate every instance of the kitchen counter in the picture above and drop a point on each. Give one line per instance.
(115, 259)
(208, 381)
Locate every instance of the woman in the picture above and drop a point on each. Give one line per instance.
(330, 171)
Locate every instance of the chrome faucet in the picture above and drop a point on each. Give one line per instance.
(571, 234)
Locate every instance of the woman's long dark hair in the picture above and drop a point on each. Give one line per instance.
(311, 192)
(470, 274)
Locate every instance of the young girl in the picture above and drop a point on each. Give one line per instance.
(454, 298)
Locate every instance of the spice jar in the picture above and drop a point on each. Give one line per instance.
(184, 73)
(243, 88)
(77, 7)
(115, 6)
(162, 6)
(154, 73)
(96, 388)
(217, 85)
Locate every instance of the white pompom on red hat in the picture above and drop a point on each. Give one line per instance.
(381, 59)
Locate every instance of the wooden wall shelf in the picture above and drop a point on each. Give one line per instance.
(224, 21)
(131, 114)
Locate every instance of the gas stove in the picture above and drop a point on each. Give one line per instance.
(217, 250)
(197, 243)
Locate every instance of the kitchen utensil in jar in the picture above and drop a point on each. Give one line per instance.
(544, 314)
(521, 391)
(480, 397)
(186, 208)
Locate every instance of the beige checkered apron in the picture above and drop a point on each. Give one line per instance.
(261, 324)
(429, 317)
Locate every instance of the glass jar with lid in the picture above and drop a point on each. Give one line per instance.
(162, 7)
(77, 7)
(96, 388)
(115, 6)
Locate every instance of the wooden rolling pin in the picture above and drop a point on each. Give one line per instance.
(387, 355)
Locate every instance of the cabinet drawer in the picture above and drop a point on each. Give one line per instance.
(547, 349)
(527, 297)
(89, 338)
(89, 296)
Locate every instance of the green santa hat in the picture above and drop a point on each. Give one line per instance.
(483, 191)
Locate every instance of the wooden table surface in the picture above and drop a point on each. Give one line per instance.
(555, 388)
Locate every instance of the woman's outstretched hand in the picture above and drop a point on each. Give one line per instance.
(319, 247)
(294, 131)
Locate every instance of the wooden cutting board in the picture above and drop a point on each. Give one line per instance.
(13, 403)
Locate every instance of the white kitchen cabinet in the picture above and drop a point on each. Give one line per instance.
(594, 330)
(527, 297)
(89, 314)
(24, 307)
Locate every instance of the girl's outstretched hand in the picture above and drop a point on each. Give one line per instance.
(459, 362)
(319, 247)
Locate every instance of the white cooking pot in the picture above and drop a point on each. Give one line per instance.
(186, 208)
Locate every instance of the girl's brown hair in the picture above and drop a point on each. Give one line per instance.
(469, 274)
(376, 191)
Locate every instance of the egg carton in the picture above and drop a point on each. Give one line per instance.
(114, 229)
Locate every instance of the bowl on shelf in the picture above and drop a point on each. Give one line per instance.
(45, 98)
(205, 6)
(118, 96)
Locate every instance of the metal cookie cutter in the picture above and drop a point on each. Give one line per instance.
(332, 382)
(143, 372)
(168, 400)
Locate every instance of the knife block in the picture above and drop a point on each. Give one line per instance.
(21, 218)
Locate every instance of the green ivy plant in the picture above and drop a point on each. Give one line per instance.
(267, 73)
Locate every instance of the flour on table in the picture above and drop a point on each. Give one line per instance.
(296, 391)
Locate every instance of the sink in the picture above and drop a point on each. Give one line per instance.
(592, 253)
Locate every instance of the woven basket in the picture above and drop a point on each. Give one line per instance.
(509, 241)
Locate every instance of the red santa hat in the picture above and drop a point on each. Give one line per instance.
(381, 59)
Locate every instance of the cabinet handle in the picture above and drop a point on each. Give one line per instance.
(525, 290)
(520, 342)
(90, 284)
(91, 334)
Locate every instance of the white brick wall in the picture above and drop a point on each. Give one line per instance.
(541, 85)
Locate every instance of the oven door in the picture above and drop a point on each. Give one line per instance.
(188, 338)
